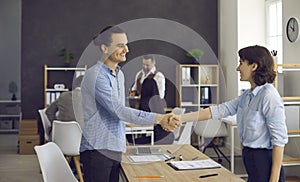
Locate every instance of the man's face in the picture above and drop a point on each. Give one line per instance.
(148, 64)
(118, 48)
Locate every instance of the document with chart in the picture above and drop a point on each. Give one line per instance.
(197, 164)
(147, 158)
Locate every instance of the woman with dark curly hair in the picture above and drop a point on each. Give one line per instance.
(260, 116)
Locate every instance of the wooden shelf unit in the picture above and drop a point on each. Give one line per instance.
(191, 81)
(285, 68)
(47, 90)
(10, 116)
(289, 100)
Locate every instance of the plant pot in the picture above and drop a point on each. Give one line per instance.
(67, 64)
(13, 97)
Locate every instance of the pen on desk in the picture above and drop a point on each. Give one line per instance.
(208, 175)
(194, 158)
(168, 159)
(149, 176)
(169, 151)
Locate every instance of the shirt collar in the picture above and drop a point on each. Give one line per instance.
(257, 89)
(152, 70)
(107, 69)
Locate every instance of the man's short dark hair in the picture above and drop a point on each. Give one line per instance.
(149, 57)
(104, 37)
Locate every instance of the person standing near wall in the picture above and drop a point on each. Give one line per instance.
(148, 71)
(104, 110)
(260, 116)
(149, 86)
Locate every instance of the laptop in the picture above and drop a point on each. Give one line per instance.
(148, 150)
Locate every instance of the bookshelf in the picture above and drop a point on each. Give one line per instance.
(285, 73)
(282, 71)
(10, 116)
(53, 88)
(198, 86)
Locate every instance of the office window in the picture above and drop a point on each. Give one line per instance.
(274, 27)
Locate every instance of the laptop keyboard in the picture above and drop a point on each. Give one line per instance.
(144, 150)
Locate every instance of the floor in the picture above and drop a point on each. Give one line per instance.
(25, 168)
(15, 167)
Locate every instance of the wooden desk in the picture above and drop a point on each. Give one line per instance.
(130, 170)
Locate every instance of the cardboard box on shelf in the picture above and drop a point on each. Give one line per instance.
(28, 127)
(27, 143)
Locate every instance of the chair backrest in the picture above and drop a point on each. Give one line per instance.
(46, 123)
(67, 135)
(210, 128)
(185, 135)
(177, 131)
(53, 164)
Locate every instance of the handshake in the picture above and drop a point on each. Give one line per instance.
(170, 121)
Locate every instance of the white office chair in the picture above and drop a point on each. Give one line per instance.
(53, 163)
(207, 131)
(67, 135)
(46, 124)
(177, 110)
(183, 133)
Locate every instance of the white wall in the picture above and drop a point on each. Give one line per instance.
(251, 23)
(290, 8)
(251, 26)
(228, 45)
(240, 26)
(10, 46)
(290, 50)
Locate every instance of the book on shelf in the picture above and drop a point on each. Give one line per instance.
(186, 75)
(205, 95)
(186, 103)
(79, 73)
(51, 97)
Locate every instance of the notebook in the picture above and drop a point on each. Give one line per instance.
(148, 150)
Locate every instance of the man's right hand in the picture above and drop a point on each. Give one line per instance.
(170, 122)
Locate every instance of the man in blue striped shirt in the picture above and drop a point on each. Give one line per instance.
(103, 100)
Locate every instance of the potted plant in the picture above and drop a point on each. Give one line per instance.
(67, 56)
(13, 88)
(195, 53)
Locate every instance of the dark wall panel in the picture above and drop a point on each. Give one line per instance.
(50, 25)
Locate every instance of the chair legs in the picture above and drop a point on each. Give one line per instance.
(204, 146)
(217, 150)
(77, 166)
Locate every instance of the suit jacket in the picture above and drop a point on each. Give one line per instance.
(64, 104)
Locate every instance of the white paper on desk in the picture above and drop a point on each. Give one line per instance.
(147, 158)
(197, 164)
